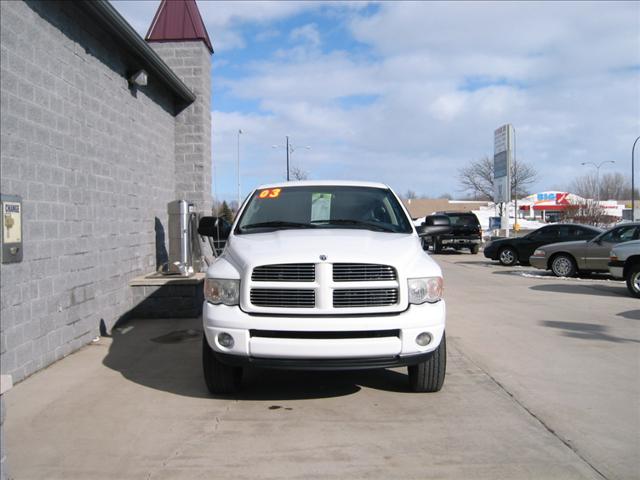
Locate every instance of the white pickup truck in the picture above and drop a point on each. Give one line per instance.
(322, 276)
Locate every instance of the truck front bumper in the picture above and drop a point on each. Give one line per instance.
(321, 341)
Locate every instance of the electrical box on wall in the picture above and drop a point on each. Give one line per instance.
(11, 244)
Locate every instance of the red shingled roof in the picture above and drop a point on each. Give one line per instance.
(178, 20)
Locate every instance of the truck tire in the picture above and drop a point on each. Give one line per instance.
(220, 378)
(508, 256)
(428, 376)
(563, 265)
(474, 249)
(633, 280)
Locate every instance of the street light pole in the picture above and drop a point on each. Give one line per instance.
(239, 133)
(515, 181)
(598, 176)
(633, 187)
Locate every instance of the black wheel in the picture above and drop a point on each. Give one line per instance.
(633, 280)
(437, 246)
(563, 265)
(428, 376)
(220, 378)
(508, 256)
(474, 249)
(425, 244)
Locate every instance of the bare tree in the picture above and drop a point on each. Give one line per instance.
(477, 178)
(613, 186)
(410, 195)
(587, 212)
(297, 173)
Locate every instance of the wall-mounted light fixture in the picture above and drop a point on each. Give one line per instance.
(139, 78)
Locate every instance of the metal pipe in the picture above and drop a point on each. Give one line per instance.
(633, 187)
(598, 175)
(239, 133)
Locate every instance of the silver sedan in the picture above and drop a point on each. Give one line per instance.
(569, 258)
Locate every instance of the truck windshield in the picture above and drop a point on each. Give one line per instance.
(323, 207)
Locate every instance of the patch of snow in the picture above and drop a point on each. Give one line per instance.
(550, 275)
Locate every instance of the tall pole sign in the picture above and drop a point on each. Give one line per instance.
(502, 158)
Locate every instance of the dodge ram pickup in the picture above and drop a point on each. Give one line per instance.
(323, 276)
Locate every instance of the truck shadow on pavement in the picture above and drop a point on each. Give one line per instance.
(165, 354)
(586, 331)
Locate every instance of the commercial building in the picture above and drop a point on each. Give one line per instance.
(100, 130)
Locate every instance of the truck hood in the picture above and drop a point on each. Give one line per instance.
(402, 251)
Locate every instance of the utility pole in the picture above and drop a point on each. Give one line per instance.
(290, 149)
(287, 158)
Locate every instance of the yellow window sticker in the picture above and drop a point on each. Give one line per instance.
(270, 193)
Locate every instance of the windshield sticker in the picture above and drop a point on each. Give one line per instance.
(320, 207)
(270, 193)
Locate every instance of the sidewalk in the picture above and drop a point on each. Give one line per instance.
(135, 406)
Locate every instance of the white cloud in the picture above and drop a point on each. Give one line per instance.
(437, 79)
(307, 33)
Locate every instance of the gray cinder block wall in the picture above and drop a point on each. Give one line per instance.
(95, 163)
(191, 61)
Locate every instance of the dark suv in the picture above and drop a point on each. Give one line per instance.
(465, 233)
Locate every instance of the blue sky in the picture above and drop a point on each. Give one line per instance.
(408, 93)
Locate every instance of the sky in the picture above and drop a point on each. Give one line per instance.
(409, 93)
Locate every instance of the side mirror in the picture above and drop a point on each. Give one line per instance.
(215, 227)
(434, 225)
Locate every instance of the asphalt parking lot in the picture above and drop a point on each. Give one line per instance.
(543, 382)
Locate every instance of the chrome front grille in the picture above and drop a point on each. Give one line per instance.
(286, 272)
(283, 298)
(365, 297)
(362, 272)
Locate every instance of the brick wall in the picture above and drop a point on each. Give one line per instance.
(94, 163)
(191, 61)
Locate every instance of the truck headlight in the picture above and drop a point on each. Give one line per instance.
(218, 290)
(423, 290)
(538, 253)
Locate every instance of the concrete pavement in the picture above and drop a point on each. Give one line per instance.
(568, 350)
(517, 402)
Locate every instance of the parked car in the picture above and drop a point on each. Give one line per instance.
(465, 232)
(624, 262)
(509, 251)
(323, 276)
(570, 258)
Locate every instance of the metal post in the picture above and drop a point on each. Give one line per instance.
(515, 180)
(239, 133)
(633, 193)
(287, 158)
(598, 175)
